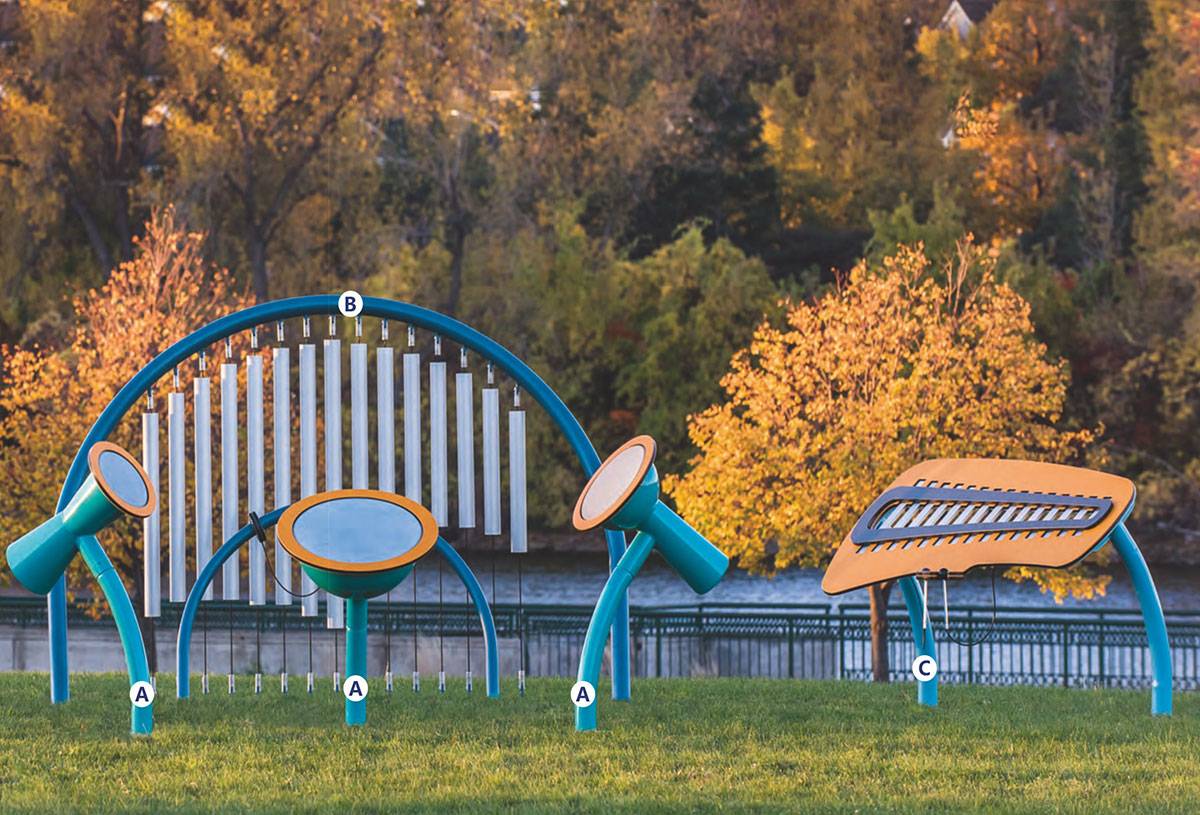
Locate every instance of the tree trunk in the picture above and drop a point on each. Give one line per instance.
(95, 238)
(257, 250)
(122, 222)
(456, 230)
(880, 664)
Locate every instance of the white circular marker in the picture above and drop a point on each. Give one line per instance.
(924, 668)
(354, 688)
(350, 303)
(583, 694)
(141, 694)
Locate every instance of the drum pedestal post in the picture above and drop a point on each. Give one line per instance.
(356, 655)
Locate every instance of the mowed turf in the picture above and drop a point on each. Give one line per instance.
(696, 745)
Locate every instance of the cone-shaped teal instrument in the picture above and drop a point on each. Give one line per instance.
(357, 544)
(623, 494)
(116, 485)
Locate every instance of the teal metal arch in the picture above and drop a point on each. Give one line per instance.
(266, 313)
(187, 620)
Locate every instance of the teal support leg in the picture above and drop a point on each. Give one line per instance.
(56, 607)
(356, 654)
(127, 626)
(1152, 616)
(927, 691)
(610, 602)
(490, 646)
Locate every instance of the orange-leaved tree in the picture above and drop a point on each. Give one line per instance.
(51, 394)
(899, 364)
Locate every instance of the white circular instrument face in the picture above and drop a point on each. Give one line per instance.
(612, 485)
(357, 531)
(121, 479)
(619, 473)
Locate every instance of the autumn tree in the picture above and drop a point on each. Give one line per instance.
(895, 366)
(268, 111)
(51, 394)
(74, 84)
(847, 128)
(1148, 393)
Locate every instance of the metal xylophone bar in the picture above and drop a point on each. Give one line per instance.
(231, 507)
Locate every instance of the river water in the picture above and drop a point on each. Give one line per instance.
(578, 578)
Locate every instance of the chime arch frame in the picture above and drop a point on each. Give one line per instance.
(327, 304)
(246, 535)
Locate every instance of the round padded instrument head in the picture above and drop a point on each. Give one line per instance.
(360, 531)
(121, 479)
(614, 483)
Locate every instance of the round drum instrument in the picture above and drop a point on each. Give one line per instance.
(357, 544)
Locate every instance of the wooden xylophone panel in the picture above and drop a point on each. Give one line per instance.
(958, 514)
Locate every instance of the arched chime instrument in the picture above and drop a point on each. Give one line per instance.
(302, 388)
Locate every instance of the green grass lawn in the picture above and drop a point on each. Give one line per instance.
(682, 746)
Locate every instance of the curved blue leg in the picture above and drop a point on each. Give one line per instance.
(142, 718)
(620, 624)
(485, 614)
(56, 609)
(612, 597)
(187, 619)
(183, 640)
(927, 692)
(1152, 616)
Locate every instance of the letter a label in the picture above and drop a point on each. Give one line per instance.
(354, 688)
(141, 694)
(583, 694)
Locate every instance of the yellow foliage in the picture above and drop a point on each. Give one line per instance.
(898, 365)
(49, 397)
(1022, 165)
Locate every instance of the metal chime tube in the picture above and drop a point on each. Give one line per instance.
(385, 406)
(230, 574)
(281, 409)
(491, 461)
(359, 449)
(464, 409)
(308, 455)
(412, 427)
(518, 527)
(202, 439)
(438, 477)
(334, 606)
(412, 460)
(176, 503)
(385, 409)
(152, 524)
(256, 459)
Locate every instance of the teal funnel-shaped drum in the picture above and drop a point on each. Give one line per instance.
(623, 494)
(117, 485)
(357, 543)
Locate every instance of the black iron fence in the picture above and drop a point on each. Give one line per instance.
(1038, 646)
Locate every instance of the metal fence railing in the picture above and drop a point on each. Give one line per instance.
(1026, 645)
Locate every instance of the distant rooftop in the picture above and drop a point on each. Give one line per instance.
(963, 15)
